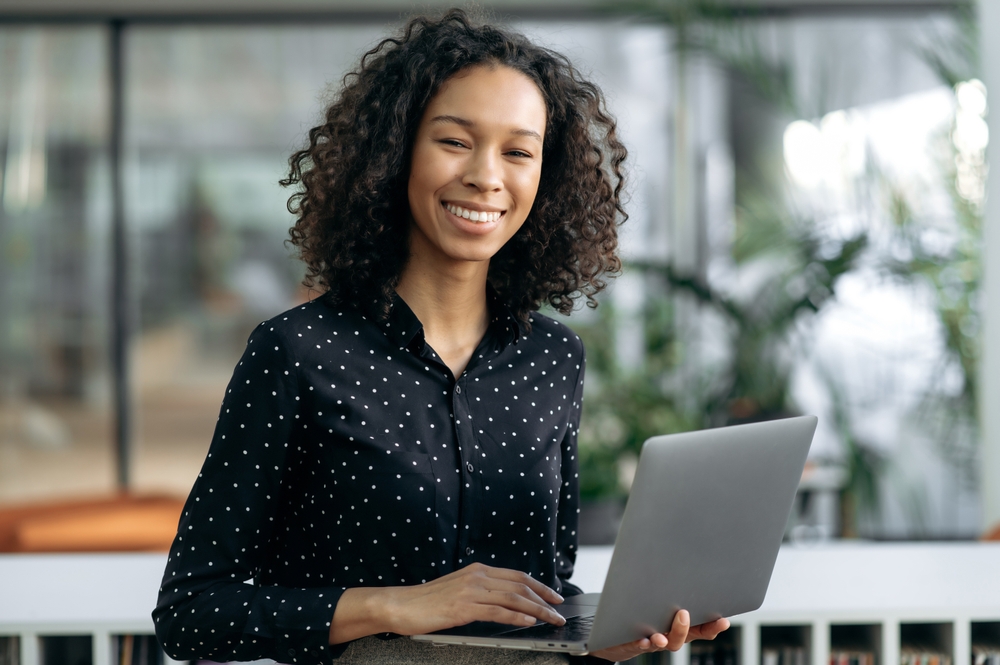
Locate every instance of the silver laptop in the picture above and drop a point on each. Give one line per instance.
(701, 531)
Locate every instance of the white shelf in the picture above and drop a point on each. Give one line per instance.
(854, 583)
(879, 585)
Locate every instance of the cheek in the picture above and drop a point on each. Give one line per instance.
(526, 185)
(428, 174)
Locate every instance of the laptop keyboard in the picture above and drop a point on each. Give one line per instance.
(576, 629)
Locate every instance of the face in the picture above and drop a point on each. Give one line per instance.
(477, 160)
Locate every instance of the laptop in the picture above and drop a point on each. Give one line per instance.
(701, 532)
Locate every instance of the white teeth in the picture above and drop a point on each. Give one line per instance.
(473, 215)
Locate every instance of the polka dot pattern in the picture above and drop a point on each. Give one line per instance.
(346, 454)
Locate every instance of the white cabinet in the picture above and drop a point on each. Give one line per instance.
(823, 598)
(879, 596)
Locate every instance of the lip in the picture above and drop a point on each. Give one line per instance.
(467, 226)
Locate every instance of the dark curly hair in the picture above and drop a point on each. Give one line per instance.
(352, 207)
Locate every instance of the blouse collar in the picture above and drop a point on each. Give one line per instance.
(403, 328)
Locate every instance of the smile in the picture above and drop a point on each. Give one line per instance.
(472, 215)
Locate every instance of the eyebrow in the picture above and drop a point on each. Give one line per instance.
(465, 122)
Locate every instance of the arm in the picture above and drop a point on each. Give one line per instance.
(474, 593)
(568, 515)
(205, 609)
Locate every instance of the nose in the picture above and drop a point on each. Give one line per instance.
(484, 171)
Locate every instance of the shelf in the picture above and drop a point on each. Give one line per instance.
(785, 645)
(926, 643)
(136, 650)
(724, 650)
(10, 650)
(66, 649)
(822, 599)
(855, 644)
(82, 649)
(985, 638)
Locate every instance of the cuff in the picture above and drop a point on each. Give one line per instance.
(302, 624)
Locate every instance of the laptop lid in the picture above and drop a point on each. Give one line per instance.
(702, 527)
(701, 531)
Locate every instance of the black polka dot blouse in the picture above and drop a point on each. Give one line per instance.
(346, 454)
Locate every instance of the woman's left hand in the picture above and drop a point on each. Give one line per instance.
(680, 633)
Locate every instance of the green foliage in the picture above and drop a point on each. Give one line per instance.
(622, 408)
(948, 260)
(864, 464)
(801, 265)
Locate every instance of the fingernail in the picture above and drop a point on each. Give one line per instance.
(561, 599)
(529, 619)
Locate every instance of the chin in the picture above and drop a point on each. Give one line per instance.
(471, 257)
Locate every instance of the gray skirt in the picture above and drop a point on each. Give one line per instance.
(376, 651)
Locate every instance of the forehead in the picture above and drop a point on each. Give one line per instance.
(486, 95)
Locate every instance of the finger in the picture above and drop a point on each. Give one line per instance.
(679, 630)
(519, 588)
(519, 598)
(708, 631)
(500, 614)
(544, 592)
(627, 651)
(659, 641)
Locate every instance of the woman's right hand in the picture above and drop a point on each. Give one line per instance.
(475, 593)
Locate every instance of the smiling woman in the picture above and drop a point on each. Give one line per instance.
(353, 205)
(474, 173)
(477, 160)
(398, 456)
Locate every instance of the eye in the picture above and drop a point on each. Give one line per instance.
(519, 153)
(455, 143)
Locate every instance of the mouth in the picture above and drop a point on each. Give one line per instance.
(479, 216)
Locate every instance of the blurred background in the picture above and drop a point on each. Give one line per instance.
(807, 194)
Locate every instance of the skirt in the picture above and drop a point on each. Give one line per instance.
(377, 651)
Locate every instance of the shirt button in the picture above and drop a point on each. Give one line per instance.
(468, 551)
(458, 389)
(469, 467)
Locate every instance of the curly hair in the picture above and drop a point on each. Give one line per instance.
(351, 206)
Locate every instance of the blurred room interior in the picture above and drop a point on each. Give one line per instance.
(807, 196)
(806, 236)
(808, 233)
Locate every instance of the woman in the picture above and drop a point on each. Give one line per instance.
(398, 456)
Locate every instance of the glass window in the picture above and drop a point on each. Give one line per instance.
(55, 410)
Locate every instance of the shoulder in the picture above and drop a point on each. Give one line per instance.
(308, 322)
(554, 336)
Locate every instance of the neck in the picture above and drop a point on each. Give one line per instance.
(450, 301)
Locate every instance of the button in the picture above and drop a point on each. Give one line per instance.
(468, 551)
(458, 389)
(469, 467)
(291, 652)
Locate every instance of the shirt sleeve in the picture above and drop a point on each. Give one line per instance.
(210, 606)
(569, 495)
